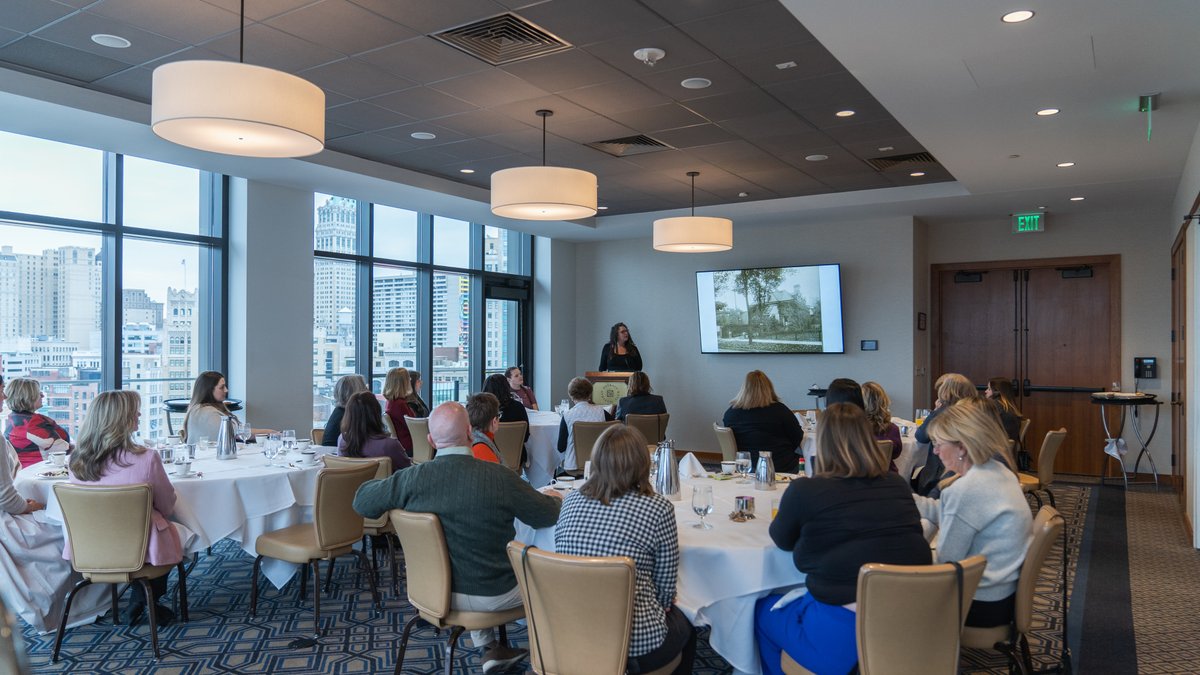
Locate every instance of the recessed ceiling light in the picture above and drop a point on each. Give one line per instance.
(1017, 16)
(1046, 112)
(887, 148)
(1064, 165)
(743, 194)
(785, 65)
(1041, 208)
(917, 174)
(423, 135)
(844, 113)
(466, 170)
(1076, 199)
(114, 41)
(817, 158)
(602, 208)
(696, 83)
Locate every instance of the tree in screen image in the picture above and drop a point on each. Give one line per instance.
(768, 309)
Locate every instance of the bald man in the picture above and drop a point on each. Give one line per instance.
(477, 502)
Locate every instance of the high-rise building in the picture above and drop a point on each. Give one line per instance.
(138, 307)
(181, 342)
(333, 281)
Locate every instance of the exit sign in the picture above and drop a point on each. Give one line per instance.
(1028, 222)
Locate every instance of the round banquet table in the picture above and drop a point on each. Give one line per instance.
(542, 447)
(911, 456)
(722, 571)
(237, 499)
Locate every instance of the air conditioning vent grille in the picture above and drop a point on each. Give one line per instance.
(902, 161)
(502, 39)
(630, 145)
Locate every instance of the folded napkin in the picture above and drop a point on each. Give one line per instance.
(690, 467)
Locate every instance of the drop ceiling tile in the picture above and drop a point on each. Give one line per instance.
(840, 161)
(724, 80)
(423, 160)
(423, 60)
(681, 50)
(50, 57)
(203, 21)
(570, 69)
(365, 117)
(369, 146)
(341, 26)
(26, 16)
(474, 149)
(901, 145)
(837, 88)
(675, 162)
(433, 17)
(258, 10)
(422, 103)
(746, 103)
(355, 79)
(780, 123)
(811, 59)
(796, 146)
(77, 30)
(870, 131)
(748, 30)
(522, 140)
(582, 22)
(335, 130)
(615, 97)
(606, 165)
(679, 12)
(738, 156)
(134, 83)
(272, 48)
(332, 98)
(404, 132)
(526, 111)
(824, 115)
(658, 118)
(784, 182)
(7, 36)
(189, 54)
(479, 123)
(694, 136)
(858, 181)
(591, 129)
(489, 88)
(485, 167)
(77, 4)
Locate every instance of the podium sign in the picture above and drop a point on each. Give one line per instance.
(608, 387)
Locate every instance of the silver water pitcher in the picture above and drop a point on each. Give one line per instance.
(226, 438)
(764, 473)
(666, 478)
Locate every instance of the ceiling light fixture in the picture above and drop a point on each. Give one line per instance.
(466, 170)
(236, 108)
(844, 113)
(917, 174)
(649, 55)
(1017, 16)
(602, 208)
(1064, 165)
(423, 135)
(114, 41)
(1076, 199)
(887, 148)
(543, 192)
(693, 234)
(696, 83)
(1047, 112)
(816, 158)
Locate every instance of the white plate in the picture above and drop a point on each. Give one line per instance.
(52, 474)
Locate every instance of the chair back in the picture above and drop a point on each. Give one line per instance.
(1048, 454)
(317, 436)
(383, 470)
(585, 434)
(338, 524)
(886, 448)
(1021, 432)
(727, 441)
(892, 599)
(510, 438)
(387, 425)
(1047, 529)
(653, 427)
(426, 561)
(418, 428)
(562, 639)
(108, 526)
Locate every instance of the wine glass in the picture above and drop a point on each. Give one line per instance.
(742, 462)
(702, 504)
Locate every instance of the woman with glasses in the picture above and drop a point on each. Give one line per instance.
(32, 434)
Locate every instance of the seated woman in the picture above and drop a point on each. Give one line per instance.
(484, 412)
(950, 388)
(1000, 391)
(617, 513)
(582, 410)
(640, 401)
(396, 390)
(982, 510)
(879, 415)
(33, 435)
(415, 402)
(852, 512)
(206, 409)
(363, 434)
(107, 455)
(760, 422)
(346, 386)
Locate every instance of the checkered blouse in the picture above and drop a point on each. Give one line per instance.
(641, 527)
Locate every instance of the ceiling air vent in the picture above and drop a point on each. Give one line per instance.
(630, 145)
(901, 161)
(502, 39)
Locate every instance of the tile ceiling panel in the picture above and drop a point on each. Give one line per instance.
(423, 60)
(422, 103)
(7, 36)
(464, 151)
(810, 59)
(66, 62)
(746, 31)
(690, 137)
(489, 88)
(565, 70)
(680, 12)
(272, 48)
(364, 116)
(77, 30)
(590, 129)
(658, 118)
(681, 50)
(258, 10)
(444, 134)
(746, 103)
(582, 22)
(25, 16)
(836, 88)
(724, 79)
(334, 130)
(373, 145)
(355, 79)
(433, 17)
(134, 83)
(483, 123)
(780, 122)
(616, 97)
(341, 26)
(204, 22)
(884, 147)
(526, 111)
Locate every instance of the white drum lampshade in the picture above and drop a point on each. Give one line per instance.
(544, 193)
(693, 234)
(237, 109)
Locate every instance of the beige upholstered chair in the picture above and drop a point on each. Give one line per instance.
(387, 425)
(1032, 484)
(335, 529)
(1021, 432)
(886, 448)
(585, 434)
(109, 530)
(372, 527)
(317, 435)
(418, 427)
(727, 441)
(510, 438)
(653, 427)
(562, 639)
(1047, 528)
(427, 567)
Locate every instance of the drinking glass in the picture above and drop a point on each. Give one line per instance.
(273, 447)
(920, 416)
(742, 461)
(702, 504)
(563, 406)
(244, 432)
(289, 440)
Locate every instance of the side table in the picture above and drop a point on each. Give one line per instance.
(1133, 403)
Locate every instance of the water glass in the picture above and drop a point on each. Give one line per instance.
(272, 448)
(702, 504)
(244, 432)
(563, 406)
(742, 461)
(289, 440)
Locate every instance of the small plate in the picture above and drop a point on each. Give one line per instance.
(190, 474)
(52, 474)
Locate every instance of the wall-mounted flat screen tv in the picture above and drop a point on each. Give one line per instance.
(789, 310)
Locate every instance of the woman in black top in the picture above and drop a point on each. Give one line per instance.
(346, 386)
(852, 512)
(415, 402)
(620, 353)
(511, 409)
(640, 401)
(761, 423)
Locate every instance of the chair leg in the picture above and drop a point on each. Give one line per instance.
(303, 586)
(1026, 657)
(316, 572)
(116, 604)
(62, 624)
(254, 585)
(152, 612)
(183, 602)
(503, 634)
(457, 631)
(404, 643)
(328, 577)
(374, 580)
(1050, 495)
(393, 565)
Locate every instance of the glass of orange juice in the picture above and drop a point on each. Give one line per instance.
(774, 508)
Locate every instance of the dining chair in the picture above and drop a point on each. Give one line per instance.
(886, 448)
(562, 639)
(1033, 484)
(1021, 432)
(585, 434)
(427, 570)
(109, 530)
(317, 436)
(510, 439)
(727, 441)
(372, 527)
(334, 530)
(653, 427)
(418, 428)
(387, 425)
(1012, 639)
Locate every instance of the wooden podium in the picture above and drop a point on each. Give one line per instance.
(608, 387)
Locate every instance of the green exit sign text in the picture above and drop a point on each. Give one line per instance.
(1028, 222)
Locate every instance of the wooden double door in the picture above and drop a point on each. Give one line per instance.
(1052, 327)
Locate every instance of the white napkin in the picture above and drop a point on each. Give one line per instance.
(690, 467)
(789, 597)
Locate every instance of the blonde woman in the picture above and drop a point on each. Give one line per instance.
(207, 407)
(951, 388)
(983, 511)
(396, 390)
(33, 435)
(879, 415)
(761, 423)
(107, 455)
(853, 511)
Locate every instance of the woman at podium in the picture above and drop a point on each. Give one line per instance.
(620, 353)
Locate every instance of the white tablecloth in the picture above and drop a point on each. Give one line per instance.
(542, 447)
(908, 460)
(722, 571)
(237, 499)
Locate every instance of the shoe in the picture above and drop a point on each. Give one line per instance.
(499, 657)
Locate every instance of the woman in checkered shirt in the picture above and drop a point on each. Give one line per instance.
(617, 513)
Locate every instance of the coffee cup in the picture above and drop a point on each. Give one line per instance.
(563, 483)
(58, 458)
(303, 445)
(308, 456)
(183, 469)
(728, 467)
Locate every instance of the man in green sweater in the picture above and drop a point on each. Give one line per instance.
(476, 502)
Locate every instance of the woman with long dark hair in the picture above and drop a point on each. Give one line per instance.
(620, 353)
(415, 402)
(207, 407)
(363, 434)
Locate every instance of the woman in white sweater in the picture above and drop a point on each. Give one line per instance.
(982, 509)
(207, 408)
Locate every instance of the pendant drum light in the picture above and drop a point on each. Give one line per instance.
(543, 192)
(693, 234)
(236, 108)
